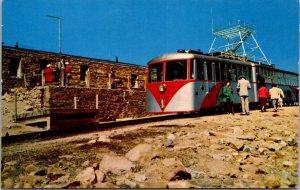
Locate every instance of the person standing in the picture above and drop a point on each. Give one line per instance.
(226, 96)
(275, 95)
(243, 87)
(263, 95)
(67, 73)
(48, 74)
(280, 100)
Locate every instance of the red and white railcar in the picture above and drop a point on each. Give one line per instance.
(188, 81)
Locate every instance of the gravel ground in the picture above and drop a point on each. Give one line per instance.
(220, 151)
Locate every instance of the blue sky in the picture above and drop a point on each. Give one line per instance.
(138, 30)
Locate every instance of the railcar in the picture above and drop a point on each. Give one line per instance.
(190, 81)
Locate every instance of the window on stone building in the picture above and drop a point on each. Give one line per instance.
(13, 66)
(133, 80)
(83, 69)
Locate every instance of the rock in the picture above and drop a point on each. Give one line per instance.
(28, 108)
(86, 177)
(169, 143)
(161, 184)
(30, 168)
(291, 141)
(92, 141)
(196, 174)
(140, 178)
(181, 147)
(103, 139)
(287, 163)
(127, 184)
(68, 157)
(55, 173)
(273, 139)
(106, 185)
(115, 164)
(7, 183)
(274, 147)
(272, 181)
(100, 176)
(215, 167)
(12, 163)
(42, 172)
(170, 140)
(140, 153)
(180, 184)
(72, 185)
(246, 148)
(236, 144)
(246, 137)
(238, 131)
(175, 170)
(30, 181)
(85, 164)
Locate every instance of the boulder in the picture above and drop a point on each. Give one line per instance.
(180, 184)
(54, 173)
(161, 184)
(28, 108)
(86, 177)
(100, 176)
(106, 185)
(141, 152)
(115, 164)
(175, 170)
(272, 181)
(7, 183)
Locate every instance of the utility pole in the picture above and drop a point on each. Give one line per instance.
(61, 64)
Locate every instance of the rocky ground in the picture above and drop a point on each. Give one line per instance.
(220, 151)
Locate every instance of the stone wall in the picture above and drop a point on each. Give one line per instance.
(32, 63)
(112, 103)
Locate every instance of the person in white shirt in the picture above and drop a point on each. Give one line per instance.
(243, 87)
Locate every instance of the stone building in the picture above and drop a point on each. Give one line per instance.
(23, 68)
(98, 90)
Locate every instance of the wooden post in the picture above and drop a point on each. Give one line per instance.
(62, 76)
(75, 102)
(97, 103)
(16, 107)
(87, 78)
(43, 78)
(25, 82)
(128, 82)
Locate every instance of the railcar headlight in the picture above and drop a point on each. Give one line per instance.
(162, 88)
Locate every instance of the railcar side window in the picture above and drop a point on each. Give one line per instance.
(223, 71)
(155, 73)
(217, 71)
(209, 71)
(176, 70)
(200, 70)
(234, 73)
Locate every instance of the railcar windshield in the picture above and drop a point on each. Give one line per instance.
(176, 70)
(155, 73)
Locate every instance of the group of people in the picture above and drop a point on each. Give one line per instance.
(52, 75)
(275, 93)
(226, 96)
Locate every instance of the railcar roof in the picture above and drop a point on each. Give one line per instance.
(177, 56)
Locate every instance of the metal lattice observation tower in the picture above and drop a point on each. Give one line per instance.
(237, 42)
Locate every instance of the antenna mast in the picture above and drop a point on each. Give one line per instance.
(236, 42)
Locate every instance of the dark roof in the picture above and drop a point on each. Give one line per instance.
(73, 56)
